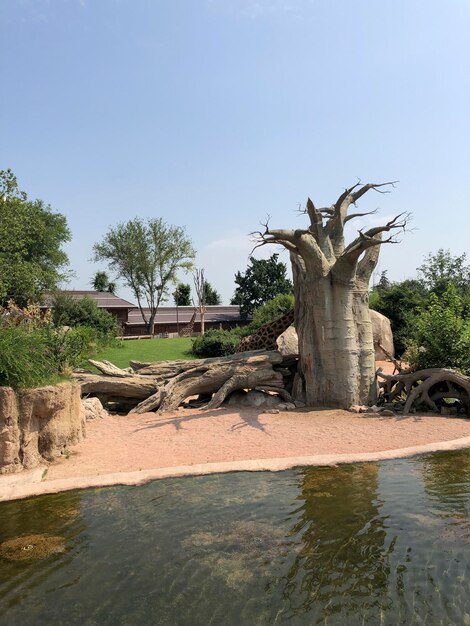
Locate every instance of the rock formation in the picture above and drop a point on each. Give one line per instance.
(37, 425)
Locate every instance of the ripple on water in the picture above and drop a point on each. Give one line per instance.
(359, 544)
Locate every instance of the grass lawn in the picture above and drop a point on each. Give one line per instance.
(147, 350)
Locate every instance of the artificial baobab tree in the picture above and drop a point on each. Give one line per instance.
(331, 279)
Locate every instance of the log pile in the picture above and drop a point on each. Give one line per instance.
(438, 389)
(164, 386)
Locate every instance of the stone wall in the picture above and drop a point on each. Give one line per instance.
(37, 425)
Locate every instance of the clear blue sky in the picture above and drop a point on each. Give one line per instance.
(213, 113)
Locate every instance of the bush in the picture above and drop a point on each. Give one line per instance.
(215, 343)
(68, 349)
(67, 311)
(34, 352)
(24, 357)
(278, 306)
(439, 335)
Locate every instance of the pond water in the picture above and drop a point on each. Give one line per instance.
(377, 543)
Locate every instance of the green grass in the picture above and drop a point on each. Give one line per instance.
(146, 350)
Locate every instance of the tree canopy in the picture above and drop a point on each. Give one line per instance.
(146, 255)
(441, 269)
(31, 236)
(182, 295)
(406, 301)
(101, 282)
(212, 296)
(262, 281)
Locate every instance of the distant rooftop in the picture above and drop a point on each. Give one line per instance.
(103, 299)
(167, 314)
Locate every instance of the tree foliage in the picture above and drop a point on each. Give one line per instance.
(262, 281)
(403, 302)
(101, 282)
(441, 269)
(271, 310)
(35, 351)
(146, 255)
(31, 235)
(439, 336)
(68, 311)
(212, 296)
(182, 295)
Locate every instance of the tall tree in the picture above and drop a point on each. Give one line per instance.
(263, 280)
(101, 282)
(31, 236)
(212, 296)
(147, 255)
(331, 281)
(182, 295)
(440, 269)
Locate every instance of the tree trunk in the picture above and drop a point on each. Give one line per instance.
(336, 348)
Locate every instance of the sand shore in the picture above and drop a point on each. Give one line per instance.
(135, 449)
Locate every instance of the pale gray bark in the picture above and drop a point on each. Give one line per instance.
(332, 311)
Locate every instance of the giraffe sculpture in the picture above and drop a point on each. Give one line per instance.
(187, 330)
(265, 337)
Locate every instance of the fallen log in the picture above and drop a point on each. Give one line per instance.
(130, 387)
(163, 386)
(105, 367)
(219, 377)
(168, 369)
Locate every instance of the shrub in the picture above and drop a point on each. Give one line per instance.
(67, 311)
(69, 348)
(278, 306)
(439, 335)
(24, 357)
(215, 343)
(34, 352)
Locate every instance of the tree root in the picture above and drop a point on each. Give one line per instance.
(425, 388)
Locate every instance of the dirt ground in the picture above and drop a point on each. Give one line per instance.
(228, 438)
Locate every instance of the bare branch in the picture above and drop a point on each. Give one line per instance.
(353, 215)
(373, 237)
(335, 225)
(394, 223)
(374, 186)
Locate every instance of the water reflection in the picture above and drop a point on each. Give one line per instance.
(360, 544)
(344, 560)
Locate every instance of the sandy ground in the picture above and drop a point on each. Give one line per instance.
(135, 448)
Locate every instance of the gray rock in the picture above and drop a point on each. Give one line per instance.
(93, 408)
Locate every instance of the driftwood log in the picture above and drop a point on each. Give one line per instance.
(427, 388)
(166, 385)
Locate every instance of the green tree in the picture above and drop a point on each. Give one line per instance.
(263, 280)
(31, 236)
(101, 282)
(146, 255)
(68, 311)
(438, 337)
(399, 302)
(212, 296)
(182, 295)
(440, 269)
(271, 310)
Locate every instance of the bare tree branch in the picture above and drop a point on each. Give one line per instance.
(335, 225)
(370, 238)
(353, 215)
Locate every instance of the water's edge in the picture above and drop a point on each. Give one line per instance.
(31, 483)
